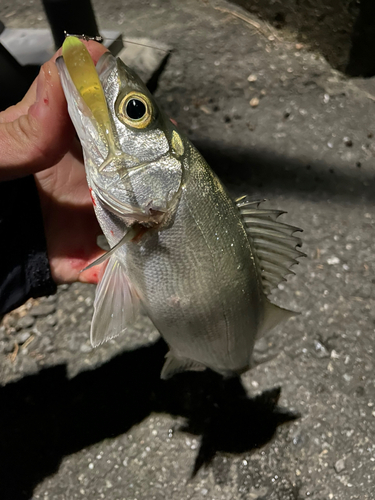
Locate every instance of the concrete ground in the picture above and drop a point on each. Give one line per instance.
(277, 122)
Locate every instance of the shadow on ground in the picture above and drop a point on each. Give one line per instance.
(264, 171)
(342, 31)
(324, 26)
(48, 416)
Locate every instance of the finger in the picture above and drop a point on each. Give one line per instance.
(39, 138)
(21, 108)
(36, 133)
(95, 49)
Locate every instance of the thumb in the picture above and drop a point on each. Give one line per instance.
(37, 136)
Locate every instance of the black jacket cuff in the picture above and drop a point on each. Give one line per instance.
(24, 268)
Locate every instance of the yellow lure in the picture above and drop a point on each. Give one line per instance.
(85, 78)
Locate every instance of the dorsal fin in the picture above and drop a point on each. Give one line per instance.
(274, 242)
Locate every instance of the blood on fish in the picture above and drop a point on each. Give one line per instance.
(45, 100)
(92, 198)
(139, 235)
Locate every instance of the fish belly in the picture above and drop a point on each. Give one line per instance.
(198, 282)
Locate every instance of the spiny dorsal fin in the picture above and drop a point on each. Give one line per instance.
(274, 242)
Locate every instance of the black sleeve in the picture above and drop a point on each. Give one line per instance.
(24, 267)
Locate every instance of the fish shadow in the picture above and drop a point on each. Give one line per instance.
(221, 412)
(48, 416)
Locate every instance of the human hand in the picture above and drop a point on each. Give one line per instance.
(37, 137)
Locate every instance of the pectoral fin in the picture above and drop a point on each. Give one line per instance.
(175, 365)
(116, 304)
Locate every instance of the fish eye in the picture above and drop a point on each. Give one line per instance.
(135, 110)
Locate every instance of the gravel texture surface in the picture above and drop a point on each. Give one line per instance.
(277, 122)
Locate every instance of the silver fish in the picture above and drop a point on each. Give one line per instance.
(200, 263)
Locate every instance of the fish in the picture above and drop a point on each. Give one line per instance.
(199, 263)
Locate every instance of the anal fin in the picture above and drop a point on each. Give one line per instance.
(274, 315)
(175, 365)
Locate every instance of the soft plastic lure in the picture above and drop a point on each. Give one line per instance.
(86, 80)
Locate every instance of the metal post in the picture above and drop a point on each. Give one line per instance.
(362, 54)
(14, 79)
(73, 16)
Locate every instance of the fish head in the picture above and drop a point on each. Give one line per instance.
(133, 154)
